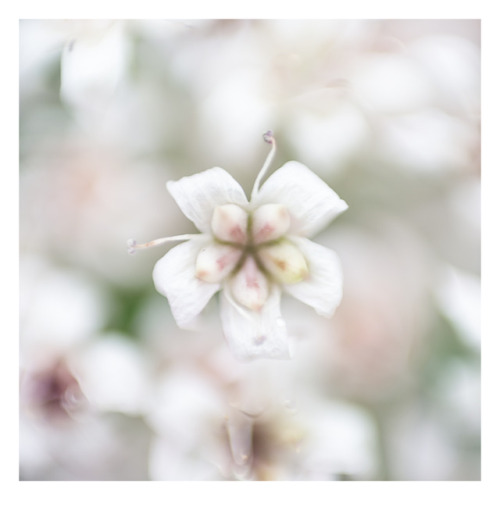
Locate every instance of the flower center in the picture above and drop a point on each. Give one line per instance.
(252, 250)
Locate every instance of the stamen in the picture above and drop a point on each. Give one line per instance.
(269, 138)
(132, 245)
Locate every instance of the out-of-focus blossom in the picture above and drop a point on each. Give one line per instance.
(71, 191)
(251, 250)
(216, 426)
(52, 392)
(64, 431)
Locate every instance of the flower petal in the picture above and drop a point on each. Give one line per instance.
(199, 194)
(312, 204)
(322, 289)
(174, 276)
(255, 334)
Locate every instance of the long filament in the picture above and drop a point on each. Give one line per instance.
(132, 245)
(269, 138)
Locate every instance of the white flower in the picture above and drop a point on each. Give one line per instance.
(252, 251)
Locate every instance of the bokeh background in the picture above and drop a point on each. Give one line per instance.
(387, 112)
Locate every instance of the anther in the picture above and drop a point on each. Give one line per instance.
(269, 137)
(215, 261)
(285, 262)
(131, 246)
(229, 223)
(270, 222)
(250, 286)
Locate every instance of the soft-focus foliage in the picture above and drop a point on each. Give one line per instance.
(386, 112)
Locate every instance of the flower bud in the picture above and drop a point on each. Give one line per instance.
(229, 223)
(285, 262)
(215, 261)
(249, 286)
(270, 221)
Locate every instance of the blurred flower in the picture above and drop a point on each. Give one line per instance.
(252, 251)
(244, 422)
(87, 193)
(52, 392)
(312, 438)
(76, 386)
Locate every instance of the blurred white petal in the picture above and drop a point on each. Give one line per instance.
(390, 83)
(429, 140)
(187, 413)
(340, 439)
(169, 461)
(184, 405)
(329, 138)
(312, 204)
(92, 66)
(420, 446)
(199, 194)
(453, 64)
(58, 308)
(255, 334)
(234, 110)
(459, 296)
(174, 276)
(322, 289)
(112, 375)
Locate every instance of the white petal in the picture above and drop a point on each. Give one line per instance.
(174, 276)
(199, 194)
(322, 290)
(255, 334)
(312, 204)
